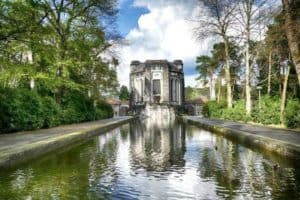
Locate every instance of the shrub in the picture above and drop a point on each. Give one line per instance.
(220, 110)
(269, 112)
(292, 114)
(236, 113)
(76, 107)
(51, 111)
(21, 109)
(24, 109)
(103, 110)
(213, 109)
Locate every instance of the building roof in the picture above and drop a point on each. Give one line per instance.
(197, 100)
(113, 101)
(177, 62)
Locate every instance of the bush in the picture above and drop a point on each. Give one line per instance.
(236, 113)
(292, 114)
(76, 107)
(269, 112)
(103, 110)
(21, 109)
(213, 109)
(51, 111)
(24, 109)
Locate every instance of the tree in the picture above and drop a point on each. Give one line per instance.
(217, 22)
(211, 68)
(277, 48)
(18, 19)
(285, 72)
(191, 93)
(124, 93)
(249, 17)
(64, 39)
(291, 10)
(207, 69)
(67, 17)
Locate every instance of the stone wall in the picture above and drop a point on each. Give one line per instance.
(159, 113)
(143, 75)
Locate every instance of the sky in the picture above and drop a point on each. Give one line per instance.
(159, 29)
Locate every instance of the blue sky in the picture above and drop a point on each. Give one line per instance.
(158, 29)
(128, 16)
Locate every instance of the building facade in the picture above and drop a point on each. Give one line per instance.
(157, 82)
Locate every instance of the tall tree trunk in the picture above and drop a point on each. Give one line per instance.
(212, 87)
(270, 72)
(219, 90)
(291, 9)
(227, 74)
(247, 75)
(283, 96)
(247, 78)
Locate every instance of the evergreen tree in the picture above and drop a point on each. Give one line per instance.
(124, 93)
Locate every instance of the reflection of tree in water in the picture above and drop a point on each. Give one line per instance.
(124, 132)
(60, 175)
(241, 171)
(157, 147)
(177, 144)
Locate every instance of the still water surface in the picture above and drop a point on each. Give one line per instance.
(147, 160)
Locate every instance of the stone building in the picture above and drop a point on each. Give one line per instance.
(157, 82)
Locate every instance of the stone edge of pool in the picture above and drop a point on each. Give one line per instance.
(268, 144)
(14, 156)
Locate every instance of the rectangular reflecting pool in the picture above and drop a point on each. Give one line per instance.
(154, 160)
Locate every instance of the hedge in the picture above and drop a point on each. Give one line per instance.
(267, 113)
(24, 109)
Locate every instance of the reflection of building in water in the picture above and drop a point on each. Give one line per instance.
(157, 82)
(157, 146)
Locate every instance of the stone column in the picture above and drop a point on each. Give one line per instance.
(179, 92)
(174, 90)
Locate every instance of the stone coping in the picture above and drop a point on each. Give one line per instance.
(43, 141)
(281, 142)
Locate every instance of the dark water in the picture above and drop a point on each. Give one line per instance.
(150, 161)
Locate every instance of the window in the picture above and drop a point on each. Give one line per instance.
(156, 87)
(172, 90)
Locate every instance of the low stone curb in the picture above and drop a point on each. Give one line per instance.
(251, 140)
(13, 156)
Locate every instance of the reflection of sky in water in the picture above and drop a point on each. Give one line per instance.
(153, 161)
(213, 167)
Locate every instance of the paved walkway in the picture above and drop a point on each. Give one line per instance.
(274, 133)
(281, 141)
(15, 144)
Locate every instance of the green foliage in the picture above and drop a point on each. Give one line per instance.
(51, 111)
(76, 107)
(236, 113)
(57, 45)
(124, 93)
(103, 110)
(219, 110)
(292, 114)
(213, 109)
(21, 109)
(24, 109)
(268, 114)
(191, 93)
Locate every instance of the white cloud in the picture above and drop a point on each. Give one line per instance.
(163, 33)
